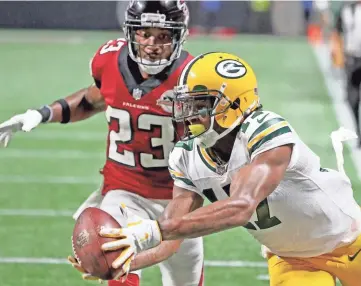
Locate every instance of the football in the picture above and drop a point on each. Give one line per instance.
(87, 242)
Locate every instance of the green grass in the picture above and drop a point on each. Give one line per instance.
(37, 67)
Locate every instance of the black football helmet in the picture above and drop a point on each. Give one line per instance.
(172, 15)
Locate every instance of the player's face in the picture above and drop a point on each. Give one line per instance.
(154, 43)
(194, 113)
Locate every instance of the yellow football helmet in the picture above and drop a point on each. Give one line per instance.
(218, 86)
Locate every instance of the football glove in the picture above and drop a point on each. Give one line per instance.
(25, 122)
(139, 235)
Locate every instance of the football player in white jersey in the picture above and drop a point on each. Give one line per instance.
(257, 172)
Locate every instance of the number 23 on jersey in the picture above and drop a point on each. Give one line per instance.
(125, 135)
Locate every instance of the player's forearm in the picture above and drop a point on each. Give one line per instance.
(155, 255)
(180, 205)
(235, 211)
(78, 106)
(213, 218)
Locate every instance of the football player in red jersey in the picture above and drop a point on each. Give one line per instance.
(133, 77)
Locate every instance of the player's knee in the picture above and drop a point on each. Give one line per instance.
(132, 280)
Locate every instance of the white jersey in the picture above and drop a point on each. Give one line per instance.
(310, 213)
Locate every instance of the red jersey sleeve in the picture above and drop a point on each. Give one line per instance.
(103, 55)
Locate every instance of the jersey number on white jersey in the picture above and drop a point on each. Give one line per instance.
(125, 135)
(264, 219)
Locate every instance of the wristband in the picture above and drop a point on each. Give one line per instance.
(46, 112)
(65, 111)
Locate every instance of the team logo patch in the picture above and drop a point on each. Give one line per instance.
(166, 101)
(137, 93)
(231, 69)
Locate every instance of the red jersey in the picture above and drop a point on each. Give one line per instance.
(141, 133)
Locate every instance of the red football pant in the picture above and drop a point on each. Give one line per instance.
(132, 280)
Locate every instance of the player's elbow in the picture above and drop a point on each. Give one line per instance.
(244, 208)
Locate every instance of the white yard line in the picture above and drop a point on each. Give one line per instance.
(262, 277)
(71, 40)
(210, 263)
(32, 260)
(71, 135)
(336, 92)
(50, 154)
(71, 37)
(36, 212)
(22, 179)
(235, 263)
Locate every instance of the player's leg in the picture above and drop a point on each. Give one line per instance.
(132, 280)
(110, 204)
(296, 272)
(185, 267)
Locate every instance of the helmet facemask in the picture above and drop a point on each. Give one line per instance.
(178, 31)
(197, 111)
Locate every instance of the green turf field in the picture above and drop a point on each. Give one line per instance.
(55, 167)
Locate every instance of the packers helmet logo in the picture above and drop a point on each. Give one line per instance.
(230, 69)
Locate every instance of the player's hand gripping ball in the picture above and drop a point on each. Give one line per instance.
(87, 243)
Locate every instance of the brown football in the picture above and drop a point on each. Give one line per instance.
(87, 243)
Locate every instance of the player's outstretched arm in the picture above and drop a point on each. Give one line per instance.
(143, 237)
(183, 202)
(155, 255)
(77, 106)
(251, 185)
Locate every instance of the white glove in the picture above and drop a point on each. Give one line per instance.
(136, 237)
(25, 122)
